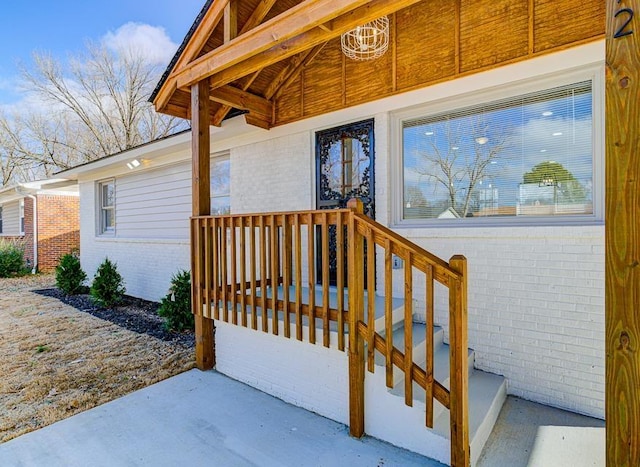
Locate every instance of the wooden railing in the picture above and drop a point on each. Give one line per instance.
(261, 271)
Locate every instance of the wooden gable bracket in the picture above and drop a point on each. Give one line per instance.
(283, 36)
(305, 16)
(243, 100)
(205, 29)
(254, 20)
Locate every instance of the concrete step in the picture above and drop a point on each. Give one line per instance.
(487, 392)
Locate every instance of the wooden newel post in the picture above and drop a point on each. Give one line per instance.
(459, 402)
(355, 269)
(622, 233)
(201, 206)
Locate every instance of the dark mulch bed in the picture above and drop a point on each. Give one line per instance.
(134, 314)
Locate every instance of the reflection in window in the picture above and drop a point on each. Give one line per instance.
(530, 155)
(220, 186)
(345, 166)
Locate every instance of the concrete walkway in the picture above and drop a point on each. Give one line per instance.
(200, 419)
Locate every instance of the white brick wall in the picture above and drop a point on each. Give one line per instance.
(273, 175)
(309, 376)
(536, 307)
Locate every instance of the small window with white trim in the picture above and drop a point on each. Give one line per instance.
(106, 205)
(0, 219)
(529, 156)
(220, 185)
(22, 216)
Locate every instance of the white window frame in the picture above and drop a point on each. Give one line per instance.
(212, 196)
(595, 73)
(102, 229)
(21, 216)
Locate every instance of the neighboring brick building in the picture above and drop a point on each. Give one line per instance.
(56, 221)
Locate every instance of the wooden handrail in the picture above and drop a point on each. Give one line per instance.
(250, 270)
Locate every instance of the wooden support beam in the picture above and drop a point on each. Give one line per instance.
(230, 20)
(243, 100)
(622, 233)
(255, 19)
(458, 341)
(201, 200)
(199, 38)
(303, 17)
(222, 112)
(355, 271)
(224, 68)
(258, 15)
(258, 121)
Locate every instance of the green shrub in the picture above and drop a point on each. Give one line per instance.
(69, 275)
(12, 258)
(107, 288)
(175, 307)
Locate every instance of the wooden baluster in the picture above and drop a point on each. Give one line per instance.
(196, 275)
(298, 251)
(234, 279)
(371, 300)
(408, 328)
(388, 311)
(206, 224)
(325, 279)
(275, 274)
(286, 273)
(216, 269)
(263, 273)
(355, 270)
(340, 277)
(252, 267)
(311, 265)
(224, 268)
(429, 311)
(458, 340)
(243, 273)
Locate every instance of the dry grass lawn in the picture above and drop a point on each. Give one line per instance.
(56, 361)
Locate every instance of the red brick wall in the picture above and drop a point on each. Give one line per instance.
(58, 228)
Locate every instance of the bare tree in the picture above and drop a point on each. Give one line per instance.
(459, 166)
(94, 106)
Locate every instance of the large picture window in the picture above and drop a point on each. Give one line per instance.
(106, 201)
(220, 186)
(528, 156)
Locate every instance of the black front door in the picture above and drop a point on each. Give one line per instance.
(344, 170)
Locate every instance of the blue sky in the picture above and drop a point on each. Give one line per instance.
(62, 27)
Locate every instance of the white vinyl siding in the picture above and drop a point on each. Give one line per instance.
(11, 219)
(155, 203)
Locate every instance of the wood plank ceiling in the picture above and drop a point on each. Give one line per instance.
(251, 50)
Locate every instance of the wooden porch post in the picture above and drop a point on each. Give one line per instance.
(622, 233)
(201, 206)
(459, 403)
(355, 268)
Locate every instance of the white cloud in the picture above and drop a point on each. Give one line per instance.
(151, 41)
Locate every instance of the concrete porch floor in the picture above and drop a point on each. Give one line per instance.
(200, 419)
(204, 418)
